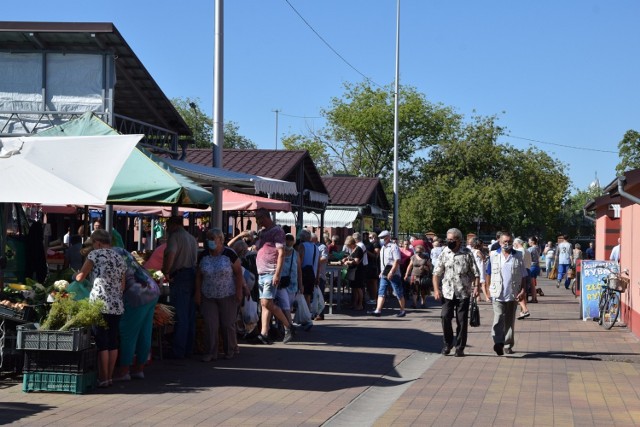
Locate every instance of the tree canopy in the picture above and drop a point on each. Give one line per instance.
(629, 149)
(452, 170)
(201, 126)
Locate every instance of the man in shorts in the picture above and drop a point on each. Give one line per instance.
(269, 260)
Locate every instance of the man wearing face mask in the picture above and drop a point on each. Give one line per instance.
(460, 277)
(506, 274)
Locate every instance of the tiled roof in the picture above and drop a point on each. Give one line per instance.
(355, 191)
(277, 164)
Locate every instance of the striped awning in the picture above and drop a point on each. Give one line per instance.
(332, 218)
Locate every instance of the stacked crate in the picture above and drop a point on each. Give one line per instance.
(57, 360)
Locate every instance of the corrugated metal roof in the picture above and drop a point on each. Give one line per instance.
(355, 191)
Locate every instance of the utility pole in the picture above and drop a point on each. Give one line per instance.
(276, 111)
(396, 126)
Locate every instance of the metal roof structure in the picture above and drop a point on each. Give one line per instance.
(140, 106)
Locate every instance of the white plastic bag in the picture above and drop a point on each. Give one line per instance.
(317, 303)
(303, 315)
(249, 314)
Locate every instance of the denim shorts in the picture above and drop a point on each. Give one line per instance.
(265, 283)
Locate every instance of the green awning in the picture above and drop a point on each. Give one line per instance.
(141, 181)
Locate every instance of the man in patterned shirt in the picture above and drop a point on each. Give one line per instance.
(459, 274)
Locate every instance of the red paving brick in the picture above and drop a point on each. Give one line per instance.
(565, 372)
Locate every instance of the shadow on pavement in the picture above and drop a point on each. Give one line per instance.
(314, 363)
(10, 412)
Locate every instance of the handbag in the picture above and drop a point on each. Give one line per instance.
(474, 316)
(351, 273)
(285, 281)
(553, 274)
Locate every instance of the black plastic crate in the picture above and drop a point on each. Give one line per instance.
(31, 338)
(25, 315)
(74, 362)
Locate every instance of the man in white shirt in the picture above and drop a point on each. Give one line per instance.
(615, 253)
(563, 255)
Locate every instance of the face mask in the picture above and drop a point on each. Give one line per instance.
(507, 247)
(211, 244)
(451, 244)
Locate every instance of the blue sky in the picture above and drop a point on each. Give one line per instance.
(564, 73)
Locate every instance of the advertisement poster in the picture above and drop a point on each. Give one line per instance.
(591, 285)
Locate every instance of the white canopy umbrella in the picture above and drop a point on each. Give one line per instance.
(62, 170)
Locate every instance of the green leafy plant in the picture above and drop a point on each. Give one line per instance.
(66, 313)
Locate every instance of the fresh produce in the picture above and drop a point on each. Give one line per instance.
(66, 313)
(13, 305)
(163, 315)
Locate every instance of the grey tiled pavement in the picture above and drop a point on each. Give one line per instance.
(354, 370)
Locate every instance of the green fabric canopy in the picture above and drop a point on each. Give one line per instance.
(141, 181)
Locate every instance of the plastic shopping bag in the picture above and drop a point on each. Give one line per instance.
(317, 303)
(249, 314)
(303, 315)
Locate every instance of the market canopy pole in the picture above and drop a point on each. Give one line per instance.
(218, 116)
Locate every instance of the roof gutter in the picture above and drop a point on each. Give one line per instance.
(622, 180)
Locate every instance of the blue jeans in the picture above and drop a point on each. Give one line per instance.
(182, 298)
(396, 284)
(562, 272)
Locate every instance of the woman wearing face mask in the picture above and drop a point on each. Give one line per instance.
(418, 275)
(218, 292)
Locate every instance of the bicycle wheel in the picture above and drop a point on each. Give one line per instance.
(573, 285)
(601, 304)
(611, 310)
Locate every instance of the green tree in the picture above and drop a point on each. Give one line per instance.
(360, 128)
(201, 126)
(470, 178)
(316, 150)
(233, 139)
(629, 150)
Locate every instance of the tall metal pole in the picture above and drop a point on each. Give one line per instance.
(396, 125)
(218, 116)
(276, 111)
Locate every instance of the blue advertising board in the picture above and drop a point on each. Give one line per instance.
(593, 273)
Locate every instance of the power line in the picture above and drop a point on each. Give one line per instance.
(328, 45)
(562, 145)
(300, 117)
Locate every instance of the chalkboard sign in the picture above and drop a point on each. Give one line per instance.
(593, 273)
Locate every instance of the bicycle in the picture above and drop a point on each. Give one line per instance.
(609, 305)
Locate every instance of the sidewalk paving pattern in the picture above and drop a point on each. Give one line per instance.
(360, 371)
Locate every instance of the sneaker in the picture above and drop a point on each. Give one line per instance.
(125, 377)
(319, 317)
(288, 336)
(558, 285)
(264, 340)
(401, 314)
(499, 349)
(508, 350)
(459, 353)
(208, 358)
(524, 315)
(446, 350)
(137, 375)
(374, 313)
